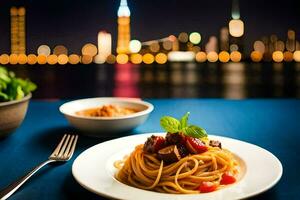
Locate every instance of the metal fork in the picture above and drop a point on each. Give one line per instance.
(62, 153)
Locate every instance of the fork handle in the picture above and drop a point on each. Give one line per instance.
(10, 189)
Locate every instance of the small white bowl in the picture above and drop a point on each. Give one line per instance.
(106, 126)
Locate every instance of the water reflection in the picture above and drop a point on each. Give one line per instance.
(178, 80)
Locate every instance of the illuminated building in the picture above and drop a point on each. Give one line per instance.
(17, 37)
(123, 28)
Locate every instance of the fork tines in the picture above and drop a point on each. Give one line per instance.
(65, 148)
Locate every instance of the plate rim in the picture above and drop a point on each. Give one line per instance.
(257, 192)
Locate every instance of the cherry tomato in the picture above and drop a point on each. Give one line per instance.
(159, 143)
(195, 145)
(207, 187)
(227, 178)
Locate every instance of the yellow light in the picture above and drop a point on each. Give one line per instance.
(154, 47)
(201, 56)
(111, 59)
(235, 56)
(288, 56)
(161, 58)
(259, 46)
(42, 59)
(148, 58)
(183, 37)
(74, 59)
(212, 56)
(224, 56)
(22, 59)
(104, 45)
(86, 59)
(4, 59)
(277, 56)
(122, 58)
(62, 59)
(256, 56)
(195, 38)
(52, 59)
(236, 27)
(136, 58)
(135, 46)
(89, 49)
(297, 56)
(31, 59)
(13, 59)
(167, 45)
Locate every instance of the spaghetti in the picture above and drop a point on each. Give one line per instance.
(147, 171)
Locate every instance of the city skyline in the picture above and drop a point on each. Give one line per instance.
(57, 31)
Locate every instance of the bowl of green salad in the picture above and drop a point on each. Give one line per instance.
(15, 94)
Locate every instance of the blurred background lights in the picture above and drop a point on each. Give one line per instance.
(74, 59)
(154, 47)
(86, 59)
(288, 56)
(111, 59)
(100, 59)
(256, 56)
(60, 49)
(62, 59)
(259, 46)
(122, 58)
(104, 45)
(135, 46)
(235, 56)
(277, 56)
(44, 50)
(136, 58)
(89, 49)
(161, 58)
(201, 56)
(212, 56)
(148, 58)
(224, 56)
(236, 27)
(297, 56)
(183, 37)
(13, 59)
(195, 38)
(22, 59)
(31, 59)
(52, 59)
(233, 47)
(42, 59)
(4, 59)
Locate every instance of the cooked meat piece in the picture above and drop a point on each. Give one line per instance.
(169, 154)
(174, 138)
(154, 143)
(215, 143)
(183, 151)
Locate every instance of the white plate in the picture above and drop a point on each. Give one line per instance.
(94, 170)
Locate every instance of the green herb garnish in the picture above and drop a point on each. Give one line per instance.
(173, 125)
(12, 88)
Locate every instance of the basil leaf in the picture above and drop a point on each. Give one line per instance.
(194, 131)
(184, 120)
(170, 124)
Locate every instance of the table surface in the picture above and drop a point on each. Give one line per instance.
(271, 124)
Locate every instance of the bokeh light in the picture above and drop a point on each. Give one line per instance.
(136, 58)
(297, 56)
(111, 59)
(212, 56)
(235, 56)
(256, 56)
(183, 37)
(277, 56)
(167, 45)
(259, 46)
(236, 27)
(31, 59)
(52, 59)
(42, 59)
(288, 56)
(201, 56)
(148, 58)
(62, 59)
(74, 59)
(22, 59)
(4, 59)
(122, 58)
(154, 47)
(233, 47)
(44, 50)
(135, 46)
(13, 59)
(60, 49)
(86, 59)
(100, 59)
(89, 49)
(224, 56)
(161, 58)
(195, 38)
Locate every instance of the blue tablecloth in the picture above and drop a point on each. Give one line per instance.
(271, 124)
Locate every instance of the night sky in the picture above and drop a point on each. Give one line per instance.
(74, 23)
